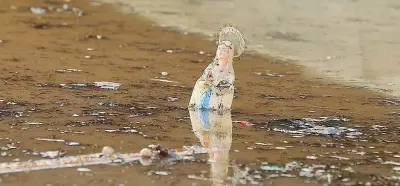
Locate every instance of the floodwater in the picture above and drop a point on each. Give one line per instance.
(351, 41)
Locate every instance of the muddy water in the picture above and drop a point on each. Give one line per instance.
(351, 41)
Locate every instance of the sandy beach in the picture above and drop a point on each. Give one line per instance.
(39, 101)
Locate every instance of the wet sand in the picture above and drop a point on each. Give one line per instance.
(132, 52)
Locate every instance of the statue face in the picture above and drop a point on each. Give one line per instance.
(225, 51)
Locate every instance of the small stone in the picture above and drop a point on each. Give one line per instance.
(99, 37)
(146, 152)
(108, 151)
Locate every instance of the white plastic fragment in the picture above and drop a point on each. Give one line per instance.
(83, 169)
(37, 10)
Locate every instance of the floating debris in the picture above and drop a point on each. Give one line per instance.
(72, 143)
(90, 159)
(51, 154)
(164, 73)
(102, 85)
(83, 170)
(121, 130)
(38, 10)
(267, 74)
(307, 126)
(163, 80)
(172, 99)
(311, 157)
(107, 85)
(244, 123)
(50, 140)
(68, 70)
(271, 168)
(34, 123)
(162, 173)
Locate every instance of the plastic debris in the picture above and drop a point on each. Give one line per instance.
(72, 143)
(121, 130)
(68, 70)
(102, 85)
(51, 154)
(37, 10)
(163, 80)
(268, 74)
(164, 73)
(311, 157)
(83, 170)
(244, 123)
(162, 173)
(271, 168)
(91, 159)
(307, 126)
(172, 99)
(34, 123)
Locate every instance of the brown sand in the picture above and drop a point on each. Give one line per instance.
(33, 46)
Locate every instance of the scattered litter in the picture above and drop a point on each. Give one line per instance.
(102, 85)
(349, 169)
(121, 130)
(83, 170)
(72, 143)
(396, 168)
(280, 148)
(164, 73)
(268, 74)
(172, 99)
(50, 140)
(163, 80)
(340, 158)
(391, 163)
(201, 52)
(95, 159)
(51, 154)
(90, 49)
(162, 173)
(169, 51)
(37, 10)
(271, 168)
(311, 157)
(307, 126)
(244, 123)
(263, 144)
(99, 37)
(68, 70)
(88, 57)
(34, 123)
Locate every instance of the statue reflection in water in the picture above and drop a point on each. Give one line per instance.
(214, 130)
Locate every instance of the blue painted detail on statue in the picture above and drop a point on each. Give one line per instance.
(205, 97)
(204, 119)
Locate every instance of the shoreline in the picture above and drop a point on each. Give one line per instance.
(134, 52)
